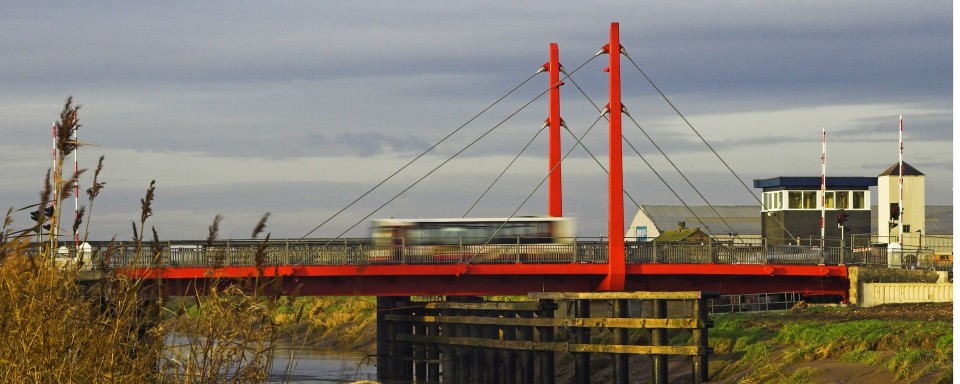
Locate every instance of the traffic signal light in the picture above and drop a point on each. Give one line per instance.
(47, 213)
(894, 211)
(842, 218)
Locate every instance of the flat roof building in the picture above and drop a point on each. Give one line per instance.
(792, 208)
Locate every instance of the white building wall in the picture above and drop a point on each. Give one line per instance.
(914, 206)
(899, 293)
(641, 220)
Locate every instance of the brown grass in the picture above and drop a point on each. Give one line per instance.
(117, 330)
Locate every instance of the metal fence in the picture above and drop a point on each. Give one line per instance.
(363, 252)
(755, 302)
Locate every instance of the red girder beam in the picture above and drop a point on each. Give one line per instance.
(511, 279)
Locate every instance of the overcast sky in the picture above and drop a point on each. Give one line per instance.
(298, 108)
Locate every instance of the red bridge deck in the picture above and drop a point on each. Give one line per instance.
(454, 280)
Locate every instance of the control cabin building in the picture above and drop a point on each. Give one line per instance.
(912, 220)
(791, 208)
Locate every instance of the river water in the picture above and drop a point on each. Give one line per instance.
(297, 363)
(316, 365)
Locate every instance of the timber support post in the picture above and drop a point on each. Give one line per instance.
(658, 337)
(621, 362)
(500, 342)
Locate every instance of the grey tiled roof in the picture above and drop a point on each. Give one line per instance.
(740, 219)
(908, 170)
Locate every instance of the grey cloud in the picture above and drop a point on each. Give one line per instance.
(373, 143)
(368, 78)
(924, 127)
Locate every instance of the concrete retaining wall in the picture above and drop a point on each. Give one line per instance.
(895, 293)
(861, 276)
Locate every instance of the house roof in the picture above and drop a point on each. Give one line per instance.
(740, 219)
(908, 170)
(676, 235)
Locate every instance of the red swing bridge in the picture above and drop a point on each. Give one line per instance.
(507, 256)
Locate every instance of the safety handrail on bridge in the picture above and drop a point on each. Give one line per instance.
(362, 251)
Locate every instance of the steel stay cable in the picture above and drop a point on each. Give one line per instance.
(441, 165)
(623, 51)
(684, 176)
(512, 215)
(419, 156)
(437, 144)
(667, 185)
(644, 161)
(598, 161)
(715, 153)
(535, 135)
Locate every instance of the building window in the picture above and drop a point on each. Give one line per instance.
(810, 200)
(794, 199)
(858, 200)
(843, 199)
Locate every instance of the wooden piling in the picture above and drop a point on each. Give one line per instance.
(658, 337)
(621, 362)
(505, 342)
(582, 336)
(547, 357)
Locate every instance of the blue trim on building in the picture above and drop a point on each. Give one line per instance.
(813, 182)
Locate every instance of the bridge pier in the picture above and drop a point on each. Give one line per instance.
(390, 364)
(582, 336)
(547, 358)
(658, 337)
(621, 362)
(509, 342)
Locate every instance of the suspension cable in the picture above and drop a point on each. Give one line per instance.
(535, 135)
(441, 165)
(690, 209)
(684, 176)
(707, 228)
(597, 160)
(715, 153)
(420, 155)
(434, 146)
(520, 206)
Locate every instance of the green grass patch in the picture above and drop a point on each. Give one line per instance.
(805, 375)
(860, 356)
(905, 363)
(817, 340)
(766, 344)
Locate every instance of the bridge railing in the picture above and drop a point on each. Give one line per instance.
(363, 252)
(473, 254)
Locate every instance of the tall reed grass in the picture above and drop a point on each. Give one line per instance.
(119, 329)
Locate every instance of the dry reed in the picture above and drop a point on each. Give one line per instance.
(56, 330)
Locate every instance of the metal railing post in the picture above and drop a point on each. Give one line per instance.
(518, 249)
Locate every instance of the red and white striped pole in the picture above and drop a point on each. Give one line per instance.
(56, 179)
(900, 187)
(76, 186)
(823, 188)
